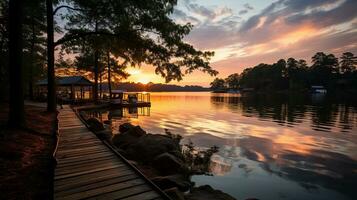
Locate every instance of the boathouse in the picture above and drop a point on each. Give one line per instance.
(68, 88)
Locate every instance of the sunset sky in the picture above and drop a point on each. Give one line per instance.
(244, 33)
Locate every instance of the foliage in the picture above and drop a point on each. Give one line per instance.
(294, 74)
(34, 43)
(197, 161)
(139, 32)
(218, 84)
(233, 81)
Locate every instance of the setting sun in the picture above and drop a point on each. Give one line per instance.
(143, 80)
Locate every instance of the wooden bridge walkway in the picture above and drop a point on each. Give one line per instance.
(89, 169)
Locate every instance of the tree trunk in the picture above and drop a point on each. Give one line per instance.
(51, 87)
(32, 59)
(109, 76)
(16, 103)
(96, 55)
(100, 86)
(95, 89)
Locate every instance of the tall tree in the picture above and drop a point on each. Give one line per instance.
(143, 30)
(51, 86)
(34, 41)
(4, 51)
(16, 103)
(218, 84)
(233, 81)
(348, 62)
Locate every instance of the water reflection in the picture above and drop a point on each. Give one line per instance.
(271, 146)
(289, 110)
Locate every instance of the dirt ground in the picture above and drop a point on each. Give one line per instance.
(26, 165)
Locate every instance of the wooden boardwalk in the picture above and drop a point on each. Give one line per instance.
(88, 169)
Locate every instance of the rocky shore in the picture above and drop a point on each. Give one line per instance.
(162, 159)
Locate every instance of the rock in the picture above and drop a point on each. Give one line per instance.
(146, 148)
(136, 131)
(172, 181)
(95, 124)
(174, 194)
(104, 134)
(129, 137)
(125, 127)
(123, 140)
(206, 192)
(167, 163)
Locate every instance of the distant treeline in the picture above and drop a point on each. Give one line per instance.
(155, 87)
(326, 70)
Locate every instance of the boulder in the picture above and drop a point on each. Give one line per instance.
(123, 140)
(125, 127)
(167, 164)
(95, 124)
(136, 131)
(174, 194)
(206, 192)
(104, 134)
(146, 148)
(129, 137)
(172, 181)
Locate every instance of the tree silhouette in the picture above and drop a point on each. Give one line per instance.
(16, 103)
(348, 62)
(218, 84)
(233, 81)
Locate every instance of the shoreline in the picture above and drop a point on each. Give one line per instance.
(160, 158)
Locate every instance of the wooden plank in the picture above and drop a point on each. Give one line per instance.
(124, 192)
(79, 157)
(74, 127)
(144, 196)
(78, 144)
(110, 188)
(79, 153)
(85, 172)
(83, 168)
(68, 149)
(91, 178)
(83, 158)
(97, 184)
(86, 162)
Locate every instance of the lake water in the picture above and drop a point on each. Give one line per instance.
(270, 146)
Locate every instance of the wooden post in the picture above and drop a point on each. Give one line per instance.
(73, 97)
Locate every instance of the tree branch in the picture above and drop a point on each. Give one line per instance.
(80, 35)
(68, 7)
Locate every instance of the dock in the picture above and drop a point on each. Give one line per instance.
(88, 168)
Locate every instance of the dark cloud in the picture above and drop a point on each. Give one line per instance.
(242, 12)
(343, 13)
(294, 12)
(248, 6)
(181, 16)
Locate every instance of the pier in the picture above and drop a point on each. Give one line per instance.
(88, 168)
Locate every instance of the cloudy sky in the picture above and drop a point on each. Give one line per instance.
(244, 33)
